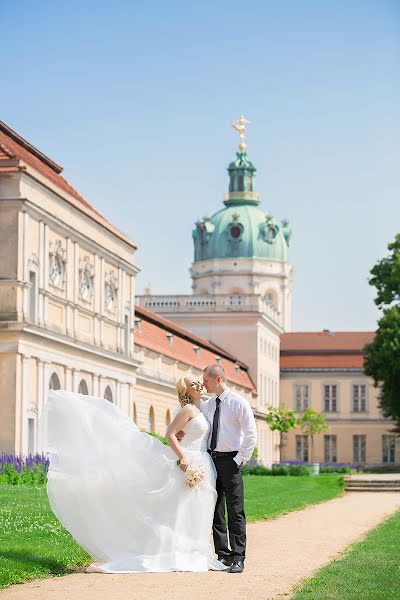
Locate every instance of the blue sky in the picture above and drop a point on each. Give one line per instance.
(136, 99)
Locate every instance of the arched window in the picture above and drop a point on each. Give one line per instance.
(134, 413)
(168, 418)
(151, 420)
(83, 388)
(54, 383)
(108, 394)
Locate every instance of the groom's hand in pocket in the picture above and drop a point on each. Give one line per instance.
(180, 435)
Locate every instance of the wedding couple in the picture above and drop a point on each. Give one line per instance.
(121, 494)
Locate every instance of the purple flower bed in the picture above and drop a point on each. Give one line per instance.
(322, 464)
(19, 462)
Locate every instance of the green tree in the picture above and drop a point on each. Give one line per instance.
(382, 355)
(312, 423)
(280, 419)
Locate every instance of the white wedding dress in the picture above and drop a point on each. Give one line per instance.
(119, 491)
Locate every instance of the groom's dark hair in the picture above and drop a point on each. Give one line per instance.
(214, 371)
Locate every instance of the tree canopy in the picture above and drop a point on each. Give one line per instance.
(382, 355)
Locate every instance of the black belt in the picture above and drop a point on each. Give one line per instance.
(215, 454)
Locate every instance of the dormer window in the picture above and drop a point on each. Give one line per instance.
(170, 338)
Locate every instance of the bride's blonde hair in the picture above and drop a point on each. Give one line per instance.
(183, 395)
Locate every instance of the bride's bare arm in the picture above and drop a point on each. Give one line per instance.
(183, 416)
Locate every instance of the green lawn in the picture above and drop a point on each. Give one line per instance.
(369, 570)
(33, 544)
(268, 497)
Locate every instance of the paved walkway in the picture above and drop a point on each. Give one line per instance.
(281, 552)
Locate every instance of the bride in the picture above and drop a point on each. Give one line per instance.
(120, 492)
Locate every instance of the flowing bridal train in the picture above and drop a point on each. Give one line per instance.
(120, 493)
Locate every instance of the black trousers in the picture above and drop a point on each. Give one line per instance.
(229, 490)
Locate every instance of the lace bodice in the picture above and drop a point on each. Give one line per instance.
(196, 434)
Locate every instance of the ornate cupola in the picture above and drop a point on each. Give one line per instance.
(241, 172)
(242, 250)
(242, 229)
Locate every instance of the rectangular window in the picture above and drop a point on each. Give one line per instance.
(359, 449)
(32, 296)
(330, 398)
(359, 398)
(388, 449)
(302, 448)
(330, 448)
(301, 399)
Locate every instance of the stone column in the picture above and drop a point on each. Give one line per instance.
(46, 270)
(68, 379)
(24, 402)
(76, 286)
(25, 270)
(41, 274)
(96, 300)
(96, 385)
(70, 289)
(76, 379)
(118, 394)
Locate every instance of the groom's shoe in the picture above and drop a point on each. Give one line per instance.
(237, 567)
(226, 561)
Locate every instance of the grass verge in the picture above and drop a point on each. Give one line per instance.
(368, 570)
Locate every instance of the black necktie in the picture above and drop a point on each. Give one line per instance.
(215, 428)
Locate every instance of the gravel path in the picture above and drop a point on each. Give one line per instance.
(281, 552)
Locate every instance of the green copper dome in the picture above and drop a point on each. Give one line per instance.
(241, 229)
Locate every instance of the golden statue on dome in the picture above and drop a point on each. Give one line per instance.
(240, 126)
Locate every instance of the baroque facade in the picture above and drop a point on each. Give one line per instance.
(67, 294)
(324, 371)
(70, 318)
(67, 308)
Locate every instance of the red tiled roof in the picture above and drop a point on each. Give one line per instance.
(324, 349)
(13, 149)
(152, 334)
(315, 361)
(326, 340)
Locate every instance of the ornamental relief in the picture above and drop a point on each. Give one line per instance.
(57, 265)
(111, 292)
(86, 280)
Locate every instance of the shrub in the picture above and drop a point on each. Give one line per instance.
(280, 470)
(255, 470)
(298, 470)
(9, 474)
(335, 469)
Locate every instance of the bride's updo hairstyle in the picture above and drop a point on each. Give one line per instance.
(183, 395)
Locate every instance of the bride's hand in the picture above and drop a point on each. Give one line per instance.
(183, 464)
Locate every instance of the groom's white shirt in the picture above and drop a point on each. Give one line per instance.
(237, 427)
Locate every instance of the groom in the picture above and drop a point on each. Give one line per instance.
(231, 443)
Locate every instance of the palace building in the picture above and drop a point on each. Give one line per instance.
(70, 318)
(67, 308)
(324, 371)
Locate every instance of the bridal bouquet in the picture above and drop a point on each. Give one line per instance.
(194, 475)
